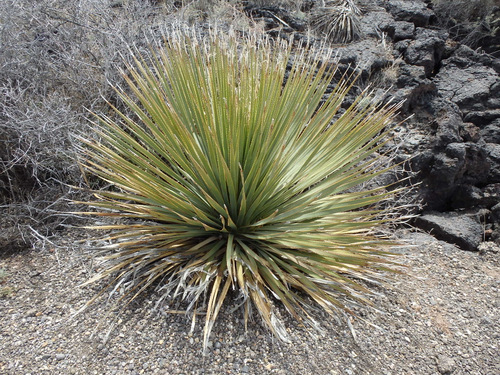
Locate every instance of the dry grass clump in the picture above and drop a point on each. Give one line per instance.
(338, 21)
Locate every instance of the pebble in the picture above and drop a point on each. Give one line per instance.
(446, 365)
(486, 320)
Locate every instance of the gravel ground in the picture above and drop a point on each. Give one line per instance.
(442, 317)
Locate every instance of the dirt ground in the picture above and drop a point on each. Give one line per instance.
(441, 317)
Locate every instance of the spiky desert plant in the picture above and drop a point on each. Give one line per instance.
(338, 21)
(232, 174)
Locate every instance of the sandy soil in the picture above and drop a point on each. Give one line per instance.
(441, 317)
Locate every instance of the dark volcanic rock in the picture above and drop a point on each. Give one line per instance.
(448, 127)
(493, 152)
(415, 11)
(414, 87)
(458, 164)
(468, 87)
(448, 166)
(484, 117)
(413, 96)
(469, 196)
(470, 132)
(375, 21)
(401, 46)
(403, 30)
(495, 211)
(477, 164)
(367, 55)
(426, 50)
(491, 132)
(465, 231)
(452, 141)
(465, 56)
(411, 75)
(495, 218)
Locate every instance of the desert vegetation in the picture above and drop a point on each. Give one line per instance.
(338, 21)
(246, 223)
(236, 175)
(475, 23)
(97, 109)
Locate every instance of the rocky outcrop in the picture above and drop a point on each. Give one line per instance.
(452, 92)
(470, 84)
(416, 12)
(425, 49)
(462, 229)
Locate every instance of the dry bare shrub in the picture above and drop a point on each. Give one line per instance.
(57, 59)
(475, 23)
(216, 12)
(292, 5)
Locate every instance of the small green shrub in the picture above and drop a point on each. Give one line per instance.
(232, 175)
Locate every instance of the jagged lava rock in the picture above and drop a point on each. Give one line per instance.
(465, 231)
(426, 50)
(491, 132)
(415, 11)
(469, 84)
(493, 152)
(469, 196)
(366, 55)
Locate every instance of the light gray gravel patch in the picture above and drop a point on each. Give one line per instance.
(441, 317)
